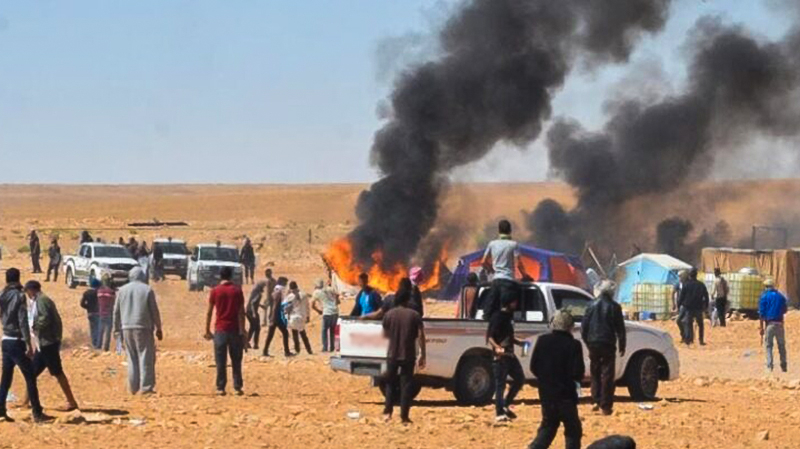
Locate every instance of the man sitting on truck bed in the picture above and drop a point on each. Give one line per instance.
(502, 259)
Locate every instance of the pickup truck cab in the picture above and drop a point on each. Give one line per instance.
(176, 256)
(207, 261)
(460, 360)
(95, 260)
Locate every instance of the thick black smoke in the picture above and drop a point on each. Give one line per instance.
(501, 62)
(739, 87)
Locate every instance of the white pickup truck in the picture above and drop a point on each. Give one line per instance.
(206, 263)
(459, 359)
(95, 260)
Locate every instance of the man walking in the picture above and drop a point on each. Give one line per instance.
(17, 346)
(47, 331)
(602, 329)
(500, 336)
(683, 276)
(278, 318)
(403, 327)
(54, 262)
(694, 300)
(36, 251)
(229, 335)
(557, 363)
(720, 295)
(136, 317)
(248, 258)
(501, 259)
(771, 309)
(267, 304)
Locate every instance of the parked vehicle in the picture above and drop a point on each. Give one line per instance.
(95, 260)
(460, 360)
(176, 256)
(206, 263)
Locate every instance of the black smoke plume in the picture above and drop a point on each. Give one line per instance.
(739, 87)
(501, 62)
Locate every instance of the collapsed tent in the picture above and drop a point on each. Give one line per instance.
(656, 270)
(540, 264)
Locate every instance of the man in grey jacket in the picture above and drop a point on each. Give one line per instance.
(136, 317)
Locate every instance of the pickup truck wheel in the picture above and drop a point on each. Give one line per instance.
(192, 287)
(415, 389)
(642, 377)
(474, 383)
(70, 279)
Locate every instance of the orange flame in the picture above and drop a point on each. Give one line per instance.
(339, 257)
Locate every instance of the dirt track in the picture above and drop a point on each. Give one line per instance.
(723, 400)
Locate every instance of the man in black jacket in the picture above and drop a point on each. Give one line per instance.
(17, 346)
(557, 363)
(602, 328)
(694, 300)
(36, 251)
(54, 254)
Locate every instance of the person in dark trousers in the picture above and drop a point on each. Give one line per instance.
(45, 324)
(771, 311)
(500, 336)
(603, 329)
(54, 260)
(404, 329)
(158, 263)
(368, 300)
(36, 251)
(248, 258)
(326, 303)
(295, 307)
(694, 300)
(720, 295)
(683, 276)
(614, 442)
(557, 363)
(278, 318)
(502, 260)
(17, 346)
(252, 311)
(229, 334)
(106, 297)
(89, 303)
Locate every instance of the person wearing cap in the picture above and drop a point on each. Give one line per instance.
(771, 309)
(17, 346)
(46, 334)
(695, 300)
(90, 304)
(326, 303)
(557, 363)
(501, 338)
(603, 330)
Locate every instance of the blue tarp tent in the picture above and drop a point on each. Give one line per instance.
(647, 268)
(542, 265)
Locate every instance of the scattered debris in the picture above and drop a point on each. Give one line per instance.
(354, 415)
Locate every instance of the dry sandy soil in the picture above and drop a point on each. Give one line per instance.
(723, 399)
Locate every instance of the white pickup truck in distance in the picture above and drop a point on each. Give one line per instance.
(459, 359)
(206, 263)
(95, 260)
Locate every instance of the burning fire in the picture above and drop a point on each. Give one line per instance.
(339, 258)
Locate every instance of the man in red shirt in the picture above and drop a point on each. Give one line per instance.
(229, 334)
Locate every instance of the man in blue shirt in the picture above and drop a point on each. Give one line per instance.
(368, 299)
(771, 309)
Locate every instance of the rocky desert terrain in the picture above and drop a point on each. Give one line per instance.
(724, 398)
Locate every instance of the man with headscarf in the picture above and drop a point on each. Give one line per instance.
(36, 251)
(771, 309)
(602, 329)
(557, 363)
(136, 318)
(416, 276)
(694, 300)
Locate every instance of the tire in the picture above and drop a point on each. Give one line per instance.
(183, 277)
(192, 287)
(474, 383)
(642, 377)
(69, 278)
(383, 387)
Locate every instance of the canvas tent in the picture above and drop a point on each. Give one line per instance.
(647, 269)
(540, 264)
(781, 265)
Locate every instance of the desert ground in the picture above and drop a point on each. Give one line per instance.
(724, 398)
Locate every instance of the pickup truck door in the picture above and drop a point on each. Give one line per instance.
(577, 302)
(82, 261)
(529, 323)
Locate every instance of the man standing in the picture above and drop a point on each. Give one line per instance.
(602, 328)
(89, 303)
(54, 263)
(500, 336)
(683, 276)
(502, 260)
(694, 300)
(326, 303)
(47, 330)
(403, 327)
(278, 318)
(771, 309)
(720, 295)
(17, 346)
(136, 317)
(229, 332)
(368, 300)
(557, 363)
(158, 263)
(267, 304)
(248, 258)
(36, 251)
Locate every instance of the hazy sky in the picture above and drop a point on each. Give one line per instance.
(248, 91)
